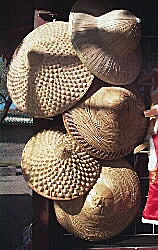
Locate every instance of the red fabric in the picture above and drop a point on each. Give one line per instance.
(151, 208)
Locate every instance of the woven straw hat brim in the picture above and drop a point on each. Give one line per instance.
(107, 45)
(107, 209)
(109, 124)
(56, 168)
(45, 75)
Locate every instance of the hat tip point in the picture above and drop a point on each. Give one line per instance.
(138, 20)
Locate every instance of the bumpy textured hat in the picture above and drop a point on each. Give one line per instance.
(108, 208)
(56, 168)
(109, 124)
(45, 76)
(109, 44)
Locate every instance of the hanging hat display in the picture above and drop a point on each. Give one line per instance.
(108, 124)
(45, 76)
(56, 168)
(109, 207)
(109, 44)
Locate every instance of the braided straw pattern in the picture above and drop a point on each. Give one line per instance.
(56, 168)
(45, 76)
(108, 208)
(108, 44)
(109, 124)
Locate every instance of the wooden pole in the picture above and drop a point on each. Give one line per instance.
(40, 221)
(40, 208)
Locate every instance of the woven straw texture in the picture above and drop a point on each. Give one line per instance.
(45, 76)
(109, 124)
(56, 168)
(109, 45)
(108, 208)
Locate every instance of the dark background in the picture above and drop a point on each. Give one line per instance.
(17, 17)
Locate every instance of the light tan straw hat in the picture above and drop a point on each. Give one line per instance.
(56, 168)
(109, 124)
(45, 76)
(109, 44)
(107, 209)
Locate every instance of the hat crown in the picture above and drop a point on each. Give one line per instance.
(63, 151)
(101, 199)
(119, 32)
(120, 14)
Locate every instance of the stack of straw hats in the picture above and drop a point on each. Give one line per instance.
(83, 70)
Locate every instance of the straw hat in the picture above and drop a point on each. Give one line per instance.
(45, 76)
(56, 168)
(109, 124)
(108, 208)
(109, 44)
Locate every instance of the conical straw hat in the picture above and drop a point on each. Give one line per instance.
(109, 124)
(108, 208)
(109, 45)
(45, 76)
(56, 168)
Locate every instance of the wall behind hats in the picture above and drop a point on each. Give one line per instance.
(16, 21)
(62, 8)
(17, 17)
(146, 10)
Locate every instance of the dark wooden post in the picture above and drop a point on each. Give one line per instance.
(40, 205)
(40, 209)
(40, 222)
(44, 234)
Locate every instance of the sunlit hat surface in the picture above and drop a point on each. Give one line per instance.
(45, 76)
(56, 168)
(108, 124)
(108, 44)
(108, 208)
